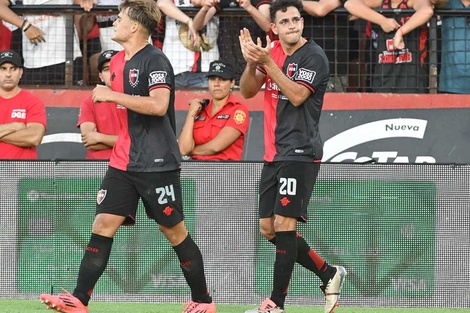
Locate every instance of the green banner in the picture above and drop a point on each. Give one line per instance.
(381, 232)
(54, 227)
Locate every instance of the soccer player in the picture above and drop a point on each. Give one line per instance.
(295, 74)
(145, 162)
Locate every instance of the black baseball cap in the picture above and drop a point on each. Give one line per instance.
(221, 69)
(104, 57)
(11, 57)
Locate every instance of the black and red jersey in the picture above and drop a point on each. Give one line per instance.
(291, 133)
(146, 143)
(401, 71)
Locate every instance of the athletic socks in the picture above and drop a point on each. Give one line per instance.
(308, 258)
(286, 253)
(92, 267)
(192, 265)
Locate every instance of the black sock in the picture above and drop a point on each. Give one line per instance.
(192, 265)
(92, 267)
(309, 259)
(286, 253)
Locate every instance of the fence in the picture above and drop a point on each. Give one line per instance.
(400, 230)
(352, 53)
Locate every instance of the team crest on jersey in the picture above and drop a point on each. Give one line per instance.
(133, 77)
(239, 117)
(157, 77)
(101, 195)
(306, 75)
(291, 69)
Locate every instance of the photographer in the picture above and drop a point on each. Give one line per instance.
(215, 128)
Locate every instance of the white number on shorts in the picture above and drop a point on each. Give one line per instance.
(164, 193)
(288, 186)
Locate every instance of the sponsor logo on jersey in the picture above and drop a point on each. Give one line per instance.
(101, 195)
(394, 57)
(306, 75)
(223, 116)
(18, 113)
(270, 85)
(157, 77)
(133, 77)
(291, 69)
(239, 117)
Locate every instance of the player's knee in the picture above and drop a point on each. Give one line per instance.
(267, 232)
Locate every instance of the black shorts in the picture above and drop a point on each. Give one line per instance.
(160, 192)
(286, 187)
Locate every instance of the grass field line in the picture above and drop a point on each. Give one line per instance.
(31, 306)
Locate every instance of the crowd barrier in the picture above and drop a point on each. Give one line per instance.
(400, 230)
(351, 52)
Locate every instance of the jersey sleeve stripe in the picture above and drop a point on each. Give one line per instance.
(261, 69)
(160, 86)
(306, 85)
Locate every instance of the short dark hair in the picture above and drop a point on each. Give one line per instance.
(282, 5)
(145, 12)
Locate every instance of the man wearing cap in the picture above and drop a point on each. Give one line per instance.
(215, 129)
(98, 122)
(22, 115)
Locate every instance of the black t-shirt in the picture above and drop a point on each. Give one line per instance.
(146, 143)
(292, 133)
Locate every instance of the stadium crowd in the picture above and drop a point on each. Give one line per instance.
(368, 51)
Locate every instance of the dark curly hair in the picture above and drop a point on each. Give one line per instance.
(282, 5)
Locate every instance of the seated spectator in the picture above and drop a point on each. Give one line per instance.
(22, 115)
(44, 64)
(215, 128)
(229, 46)
(190, 56)
(454, 76)
(98, 122)
(401, 60)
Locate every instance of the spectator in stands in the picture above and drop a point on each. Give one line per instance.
(454, 76)
(33, 33)
(105, 23)
(22, 115)
(98, 122)
(320, 8)
(168, 7)
(339, 39)
(401, 61)
(90, 46)
(44, 64)
(229, 47)
(190, 54)
(215, 128)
